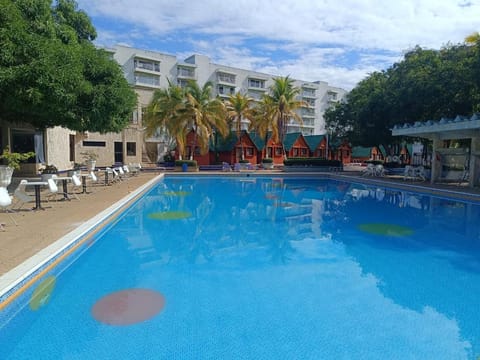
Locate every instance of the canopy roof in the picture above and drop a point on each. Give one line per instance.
(461, 127)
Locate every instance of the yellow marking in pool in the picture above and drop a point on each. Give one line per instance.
(177, 193)
(386, 229)
(42, 293)
(169, 215)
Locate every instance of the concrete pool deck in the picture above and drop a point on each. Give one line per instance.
(38, 229)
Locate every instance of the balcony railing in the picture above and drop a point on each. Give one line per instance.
(153, 81)
(146, 65)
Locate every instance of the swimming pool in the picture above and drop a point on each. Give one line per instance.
(262, 268)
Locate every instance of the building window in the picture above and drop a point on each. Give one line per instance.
(226, 90)
(249, 151)
(146, 65)
(185, 72)
(332, 95)
(226, 78)
(269, 151)
(308, 92)
(145, 79)
(131, 149)
(256, 83)
(94, 143)
(182, 83)
(278, 151)
(295, 152)
(303, 151)
(28, 141)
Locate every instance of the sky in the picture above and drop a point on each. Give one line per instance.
(337, 41)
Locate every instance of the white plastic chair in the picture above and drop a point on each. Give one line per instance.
(379, 170)
(409, 173)
(21, 195)
(369, 170)
(5, 202)
(76, 184)
(53, 188)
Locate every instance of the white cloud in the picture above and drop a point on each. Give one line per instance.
(301, 28)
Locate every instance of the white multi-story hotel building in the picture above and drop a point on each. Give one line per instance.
(150, 70)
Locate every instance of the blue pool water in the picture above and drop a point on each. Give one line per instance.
(257, 268)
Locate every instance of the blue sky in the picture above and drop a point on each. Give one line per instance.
(340, 42)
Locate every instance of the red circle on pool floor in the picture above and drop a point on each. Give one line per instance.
(128, 307)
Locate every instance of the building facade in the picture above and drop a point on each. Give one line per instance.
(147, 71)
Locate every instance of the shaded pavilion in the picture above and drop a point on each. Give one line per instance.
(459, 128)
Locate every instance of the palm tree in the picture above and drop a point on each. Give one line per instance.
(282, 99)
(239, 107)
(206, 114)
(167, 110)
(262, 122)
(473, 38)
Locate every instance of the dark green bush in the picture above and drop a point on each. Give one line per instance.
(244, 161)
(192, 163)
(312, 162)
(267, 160)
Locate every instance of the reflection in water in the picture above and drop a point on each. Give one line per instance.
(425, 278)
(245, 276)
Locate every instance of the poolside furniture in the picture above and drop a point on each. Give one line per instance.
(64, 180)
(5, 202)
(420, 173)
(226, 166)
(21, 195)
(53, 188)
(379, 170)
(76, 183)
(369, 170)
(409, 173)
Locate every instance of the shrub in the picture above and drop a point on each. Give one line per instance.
(312, 162)
(244, 161)
(267, 160)
(49, 169)
(191, 163)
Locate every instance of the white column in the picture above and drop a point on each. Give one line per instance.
(436, 164)
(474, 155)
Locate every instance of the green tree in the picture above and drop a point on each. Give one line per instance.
(167, 111)
(425, 85)
(207, 115)
(51, 74)
(240, 107)
(282, 105)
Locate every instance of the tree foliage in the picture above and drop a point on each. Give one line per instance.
(425, 85)
(51, 74)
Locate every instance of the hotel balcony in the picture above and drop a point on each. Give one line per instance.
(185, 73)
(146, 66)
(226, 78)
(149, 81)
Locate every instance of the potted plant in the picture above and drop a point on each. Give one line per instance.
(90, 158)
(47, 172)
(13, 161)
